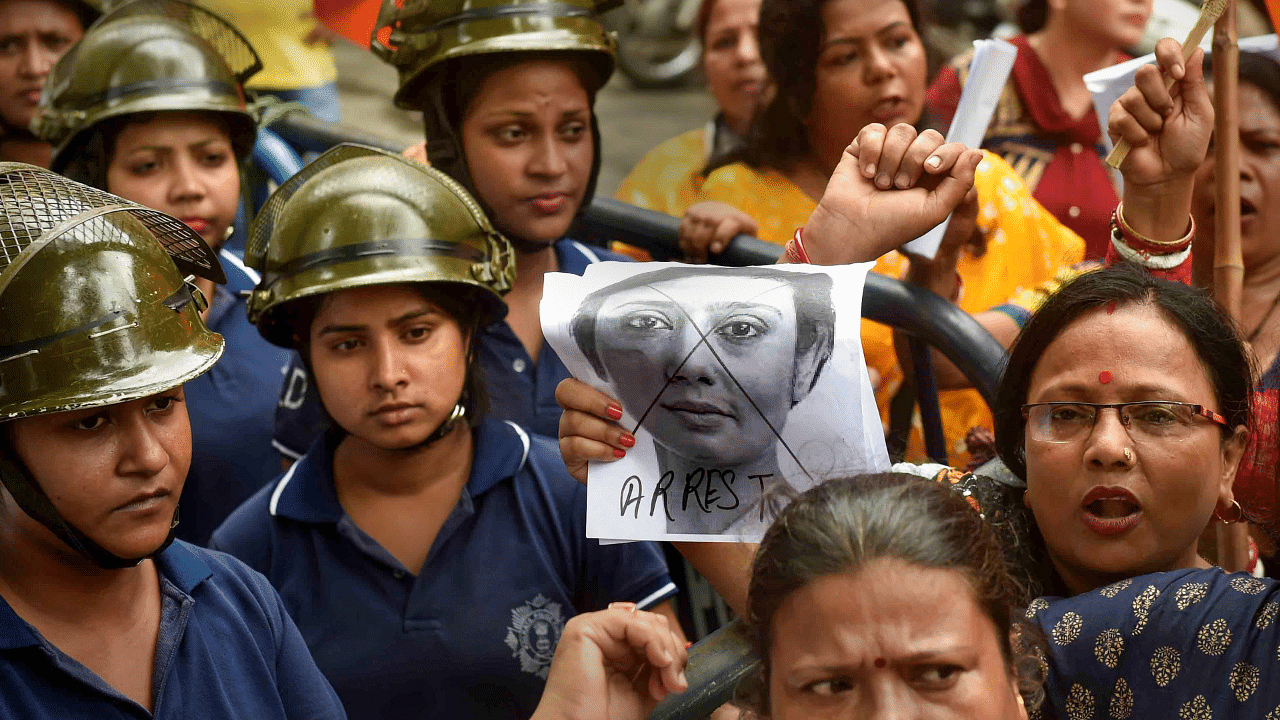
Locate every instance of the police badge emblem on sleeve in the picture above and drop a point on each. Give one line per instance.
(533, 635)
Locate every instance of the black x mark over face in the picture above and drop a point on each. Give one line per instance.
(702, 369)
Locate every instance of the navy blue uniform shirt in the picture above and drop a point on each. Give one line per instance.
(472, 635)
(519, 390)
(232, 409)
(227, 649)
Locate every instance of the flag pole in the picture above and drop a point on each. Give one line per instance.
(1228, 264)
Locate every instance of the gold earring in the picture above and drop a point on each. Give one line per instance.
(1237, 514)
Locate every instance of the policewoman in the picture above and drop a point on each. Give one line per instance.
(150, 105)
(506, 89)
(431, 556)
(102, 613)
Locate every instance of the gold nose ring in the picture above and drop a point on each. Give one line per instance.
(1128, 455)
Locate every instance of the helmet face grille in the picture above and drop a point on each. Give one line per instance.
(222, 35)
(34, 202)
(264, 223)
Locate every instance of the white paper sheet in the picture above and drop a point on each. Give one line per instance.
(742, 386)
(1108, 84)
(988, 73)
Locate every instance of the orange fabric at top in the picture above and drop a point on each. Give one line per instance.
(1273, 8)
(1025, 247)
(352, 19)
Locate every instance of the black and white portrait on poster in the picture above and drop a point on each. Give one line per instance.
(743, 387)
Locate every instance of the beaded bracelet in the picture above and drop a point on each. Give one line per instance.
(795, 249)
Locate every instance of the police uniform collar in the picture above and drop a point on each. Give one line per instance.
(230, 297)
(501, 451)
(306, 493)
(574, 257)
(182, 567)
(14, 631)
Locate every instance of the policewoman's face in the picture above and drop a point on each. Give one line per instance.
(872, 645)
(115, 473)
(527, 140)
(713, 374)
(389, 364)
(180, 164)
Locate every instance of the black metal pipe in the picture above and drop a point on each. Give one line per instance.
(305, 131)
(716, 665)
(935, 440)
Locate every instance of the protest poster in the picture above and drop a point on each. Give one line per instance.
(743, 387)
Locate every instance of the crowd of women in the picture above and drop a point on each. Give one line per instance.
(424, 552)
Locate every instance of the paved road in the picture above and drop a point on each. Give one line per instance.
(631, 121)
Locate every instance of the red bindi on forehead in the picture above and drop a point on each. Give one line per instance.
(1105, 377)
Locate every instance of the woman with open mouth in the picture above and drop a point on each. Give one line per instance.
(150, 105)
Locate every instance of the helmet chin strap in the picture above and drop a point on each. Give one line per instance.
(446, 427)
(35, 503)
(9, 131)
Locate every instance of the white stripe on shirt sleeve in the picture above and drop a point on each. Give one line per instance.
(655, 597)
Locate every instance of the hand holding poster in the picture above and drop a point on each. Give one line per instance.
(742, 386)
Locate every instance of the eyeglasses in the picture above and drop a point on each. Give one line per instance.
(1064, 422)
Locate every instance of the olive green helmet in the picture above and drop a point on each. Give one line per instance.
(93, 306)
(148, 56)
(429, 41)
(417, 36)
(94, 311)
(356, 217)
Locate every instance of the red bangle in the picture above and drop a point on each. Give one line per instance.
(1123, 232)
(795, 249)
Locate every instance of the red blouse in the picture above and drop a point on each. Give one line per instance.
(1059, 157)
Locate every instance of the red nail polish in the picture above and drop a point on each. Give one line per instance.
(614, 411)
(619, 453)
(688, 645)
(627, 440)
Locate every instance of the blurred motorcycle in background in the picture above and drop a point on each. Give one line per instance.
(657, 45)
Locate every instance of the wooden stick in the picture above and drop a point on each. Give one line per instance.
(1209, 14)
(1228, 264)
